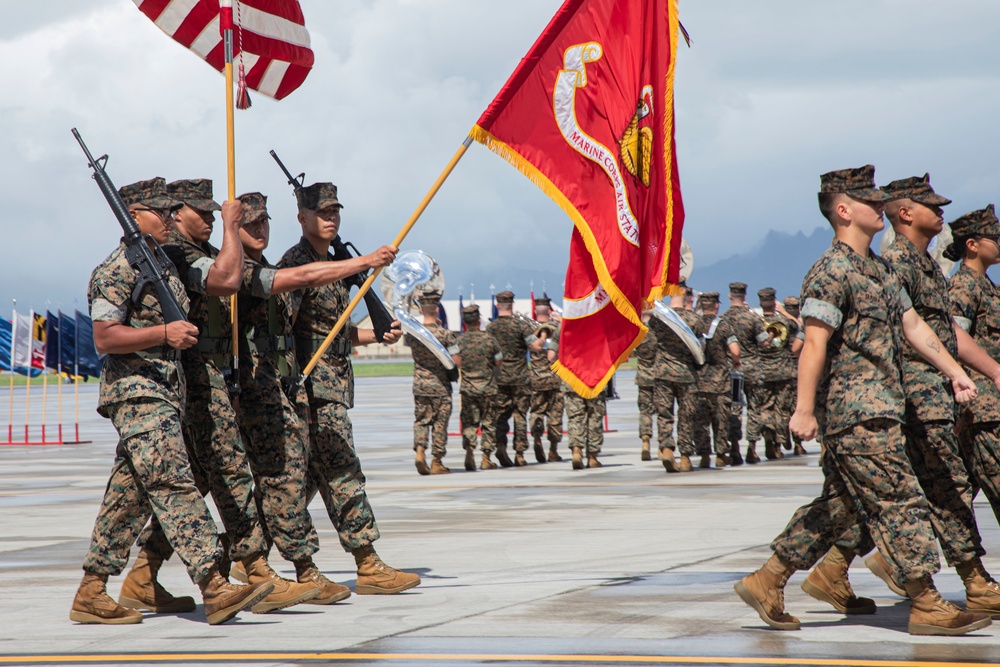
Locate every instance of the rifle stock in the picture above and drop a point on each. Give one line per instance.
(144, 254)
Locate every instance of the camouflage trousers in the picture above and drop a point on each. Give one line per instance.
(512, 401)
(665, 393)
(219, 464)
(547, 410)
(980, 447)
(735, 423)
(479, 413)
(932, 448)
(866, 474)
(585, 422)
(277, 438)
(711, 423)
(772, 403)
(646, 411)
(750, 391)
(151, 476)
(335, 472)
(430, 416)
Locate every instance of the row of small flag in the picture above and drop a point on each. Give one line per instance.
(31, 343)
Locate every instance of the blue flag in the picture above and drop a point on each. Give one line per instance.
(89, 363)
(6, 341)
(493, 303)
(52, 341)
(67, 348)
(461, 320)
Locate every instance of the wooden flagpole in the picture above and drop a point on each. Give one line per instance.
(396, 242)
(27, 395)
(226, 24)
(13, 338)
(59, 374)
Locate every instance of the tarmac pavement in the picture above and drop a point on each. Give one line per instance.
(537, 565)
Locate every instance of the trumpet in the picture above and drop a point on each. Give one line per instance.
(536, 326)
(778, 331)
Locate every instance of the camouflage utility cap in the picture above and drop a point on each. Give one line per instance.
(766, 294)
(470, 314)
(505, 297)
(195, 192)
(739, 289)
(429, 298)
(318, 196)
(977, 223)
(543, 301)
(709, 297)
(858, 183)
(254, 206)
(791, 302)
(917, 189)
(151, 193)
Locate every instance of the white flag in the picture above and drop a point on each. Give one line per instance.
(21, 343)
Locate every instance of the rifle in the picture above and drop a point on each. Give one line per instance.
(381, 318)
(144, 254)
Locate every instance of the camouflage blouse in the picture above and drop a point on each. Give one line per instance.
(514, 336)
(479, 351)
(543, 378)
(975, 303)
(645, 357)
(929, 394)
(777, 363)
(863, 300)
(430, 377)
(674, 362)
(713, 378)
(152, 373)
(747, 330)
(263, 316)
(316, 312)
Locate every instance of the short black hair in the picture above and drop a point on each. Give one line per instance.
(827, 202)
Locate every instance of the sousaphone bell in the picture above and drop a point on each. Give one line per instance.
(412, 274)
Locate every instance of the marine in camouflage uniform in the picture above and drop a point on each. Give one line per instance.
(929, 429)
(142, 392)
(747, 334)
(857, 301)
(585, 427)
(645, 354)
(674, 373)
(547, 399)
(975, 303)
(431, 388)
(516, 338)
(334, 467)
(714, 385)
(480, 357)
(776, 366)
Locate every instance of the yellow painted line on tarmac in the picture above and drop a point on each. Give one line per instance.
(584, 485)
(468, 657)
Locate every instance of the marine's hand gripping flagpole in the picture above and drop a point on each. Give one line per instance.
(396, 242)
(226, 26)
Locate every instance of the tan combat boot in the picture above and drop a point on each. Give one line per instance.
(486, 463)
(421, 461)
(735, 457)
(306, 572)
(721, 461)
(764, 590)
(799, 450)
(706, 461)
(504, 458)
(141, 590)
(930, 614)
(438, 468)
(224, 600)
(982, 593)
(752, 457)
(828, 582)
(284, 593)
(519, 459)
(645, 455)
(470, 459)
(92, 603)
(577, 458)
(685, 463)
(377, 578)
(592, 461)
(668, 460)
(539, 451)
(880, 568)
(554, 454)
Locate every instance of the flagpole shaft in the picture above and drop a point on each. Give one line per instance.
(27, 402)
(227, 36)
(10, 421)
(45, 400)
(396, 242)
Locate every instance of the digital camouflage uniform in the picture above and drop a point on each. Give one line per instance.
(775, 391)
(479, 352)
(547, 399)
(860, 407)
(143, 395)
(431, 390)
(747, 329)
(513, 383)
(975, 303)
(585, 421)
(334, 466)
(792, 308)
(645, 380)
(714, 390)
(674, 372)
(929, 429)
(273, 421)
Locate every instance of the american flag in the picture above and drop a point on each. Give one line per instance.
(270, 33)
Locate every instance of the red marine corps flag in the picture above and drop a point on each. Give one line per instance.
(588, 116)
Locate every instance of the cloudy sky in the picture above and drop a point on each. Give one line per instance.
(770, 95)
